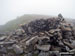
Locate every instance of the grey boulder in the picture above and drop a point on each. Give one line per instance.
(17, 49)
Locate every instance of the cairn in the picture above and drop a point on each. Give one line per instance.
(43, 37)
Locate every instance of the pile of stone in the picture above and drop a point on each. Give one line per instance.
(53, 34)
(43, 37)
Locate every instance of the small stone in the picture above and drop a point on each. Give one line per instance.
(54, 53)
(43, 53)
(25, 55)
(3, 50)
(10, 48)
(36, 52)
(29, 54)
(67, 48)
(10, 54)
(73, 44)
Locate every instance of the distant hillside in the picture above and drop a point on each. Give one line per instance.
(14, 24)
(71, 21)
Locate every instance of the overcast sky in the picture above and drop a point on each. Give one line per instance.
(10, 9)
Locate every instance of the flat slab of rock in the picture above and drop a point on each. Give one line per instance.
(56, 53)
(32, 40)
(43, 47)
(6, 43)
(3, 38)
(72, 51)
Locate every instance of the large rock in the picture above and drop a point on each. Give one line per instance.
(19, 31)
(32, 40)
(17, 49)
(43, 47)
(3, 38)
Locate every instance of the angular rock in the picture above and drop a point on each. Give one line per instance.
(73, 43)
(67, 48)
(3, 50)
(17, 49)
(32, 40)
(7, 43)
(36, 52)
(29, 54)
(19, 31)
(3, 38)
(72, 51)
(43, 54)
(55, 48)
(54, 53)
(43, 47)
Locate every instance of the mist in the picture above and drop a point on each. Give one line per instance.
(10, 9)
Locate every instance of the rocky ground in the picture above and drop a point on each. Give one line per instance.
(43, 37)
